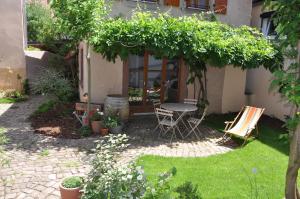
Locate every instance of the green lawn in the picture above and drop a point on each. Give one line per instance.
(231, 175)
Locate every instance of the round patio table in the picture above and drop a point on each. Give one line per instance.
(179, 107)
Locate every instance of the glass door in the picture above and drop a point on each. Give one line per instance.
(151, 79)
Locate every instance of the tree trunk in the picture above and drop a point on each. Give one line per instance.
(291, 191)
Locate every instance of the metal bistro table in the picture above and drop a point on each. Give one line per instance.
(181, 109)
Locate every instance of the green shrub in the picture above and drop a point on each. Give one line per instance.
(112, 121)
(187, 191)
(54, 83)
(85, 131)
(97, 116)
(45, 107)
(72, 182)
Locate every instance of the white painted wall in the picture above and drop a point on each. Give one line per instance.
(259, 80)
(106, 77)
(233, 97)
(12, 57)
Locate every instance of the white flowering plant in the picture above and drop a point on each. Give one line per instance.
(107, 179)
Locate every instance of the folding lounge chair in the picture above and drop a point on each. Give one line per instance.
(244, 123)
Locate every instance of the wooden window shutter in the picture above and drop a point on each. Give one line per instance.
(221, 6)
(172, 3)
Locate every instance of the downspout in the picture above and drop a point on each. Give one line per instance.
(88, 59)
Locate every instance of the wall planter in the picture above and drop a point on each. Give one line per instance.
(70, 187)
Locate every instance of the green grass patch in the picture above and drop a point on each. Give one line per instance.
(32, 48)
(254, 171)
(45, 107)
(44, 153)
(10, 100)
(71, 164)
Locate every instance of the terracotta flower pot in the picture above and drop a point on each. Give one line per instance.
(69, 193)
(96, 126)
(104, 131)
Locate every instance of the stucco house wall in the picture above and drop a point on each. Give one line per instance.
(259, 80)
(12, 57)
(106, 77)
(238, 11)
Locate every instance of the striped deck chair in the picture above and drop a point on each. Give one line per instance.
(244, 123)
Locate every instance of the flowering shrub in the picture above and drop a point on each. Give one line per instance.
(109, 180)
(54, 83)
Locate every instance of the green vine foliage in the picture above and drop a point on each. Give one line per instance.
(196, 40)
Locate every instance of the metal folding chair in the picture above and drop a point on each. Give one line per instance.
(167, 123)
(156, 104)
(195, 122)
(190, 101)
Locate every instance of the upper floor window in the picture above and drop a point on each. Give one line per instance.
(267, 24)
(148, 1)
(198, 4)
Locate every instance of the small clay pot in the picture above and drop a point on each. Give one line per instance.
(96, 126)
(104, 131)
(69, 193)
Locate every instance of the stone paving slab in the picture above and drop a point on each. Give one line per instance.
(38, 163)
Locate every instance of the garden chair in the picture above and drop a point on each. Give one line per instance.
(166, 122)
(81, 111)
(194, 123)
(190, 101)
(244, 123)
(156, 104)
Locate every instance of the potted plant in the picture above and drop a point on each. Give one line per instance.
(104, 129)
(113, 123)
(96, 121)
(70, 187)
